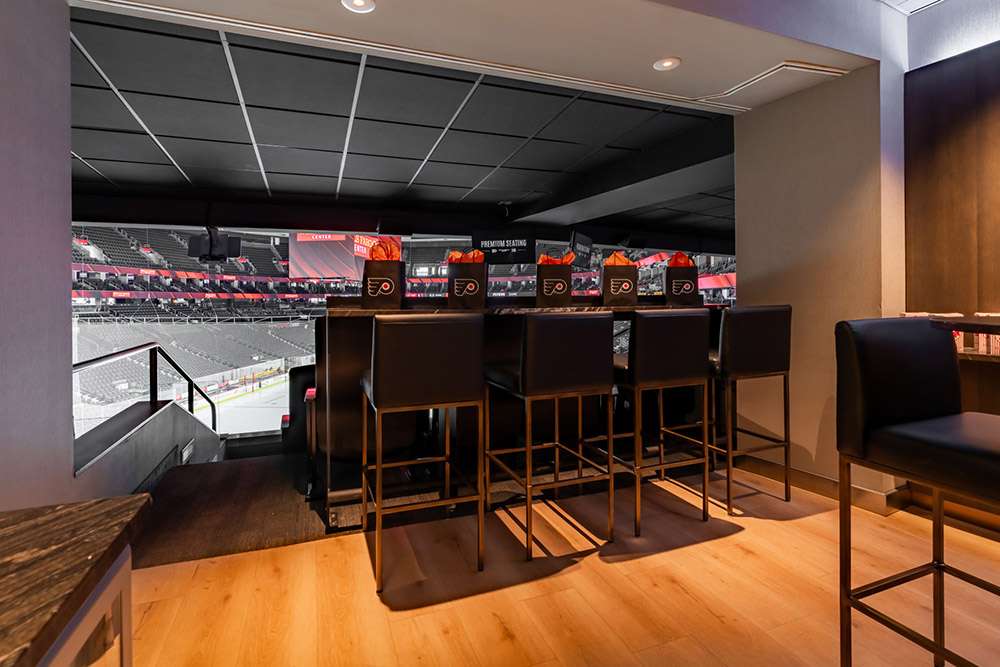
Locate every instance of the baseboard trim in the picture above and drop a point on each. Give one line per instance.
(883, 504)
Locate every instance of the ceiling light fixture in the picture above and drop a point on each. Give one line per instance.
(667, 64)
(359, 6)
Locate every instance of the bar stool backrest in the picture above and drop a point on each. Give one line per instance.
(427, 359)
(566, 352)
(755, 340)
(668, 345)
(892, 371)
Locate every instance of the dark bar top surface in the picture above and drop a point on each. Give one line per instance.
(986, 325)
(351, 306)
(51, 559)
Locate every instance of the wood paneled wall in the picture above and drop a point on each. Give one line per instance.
(953, 184)
(953, 198)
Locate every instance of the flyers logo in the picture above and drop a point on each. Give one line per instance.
(379, 286)
(621, 286)
(466, 287)
(553, 286)
(682, 287)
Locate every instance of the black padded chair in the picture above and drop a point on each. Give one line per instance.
(561, 356)
(899, 411)
(666, 350)
(422, 362)
(754, 342)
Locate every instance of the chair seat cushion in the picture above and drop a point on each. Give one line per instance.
(960, 451)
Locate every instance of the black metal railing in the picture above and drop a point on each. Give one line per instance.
(155, 351)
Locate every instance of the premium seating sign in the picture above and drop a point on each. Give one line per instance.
(505, 248)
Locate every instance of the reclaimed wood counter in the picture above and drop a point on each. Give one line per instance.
(51, 559)
(982, 325)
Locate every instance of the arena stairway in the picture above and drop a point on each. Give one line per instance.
(132, 449)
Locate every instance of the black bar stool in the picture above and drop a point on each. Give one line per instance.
(899, 411)
(562, 356)
(754, 342)
(422, 362)
(667, 349)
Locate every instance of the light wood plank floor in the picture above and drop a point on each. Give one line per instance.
(756, 589)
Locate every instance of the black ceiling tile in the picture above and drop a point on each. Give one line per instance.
(694, 112)
(692, 219)
(530, 86)
(531, 197)
(81, 71)
(379, 168)
(600, 158)
(152, 63)
(657, 129)
(300, 161)
(377, 138)
(298, 130)
(211, 154)
(623, 101)
(475, 148)
(236, 39)
(356, 187)
(449, 173)
(296, 183)
(135, 173)
(419, 68)
(135, 23)
(552, 155)
(694, 203)
(409, 98)
(727, 191)
(226, 179)
(195, 119)
(119, 146)
(82, 172)
(504, 110)
(435, 193)
(494, 196)
(595, 123)
(527, 180)
(92, 107)
(724, 211)
(295, 82)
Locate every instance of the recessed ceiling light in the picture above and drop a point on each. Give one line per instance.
(359, 6)
(667, 64)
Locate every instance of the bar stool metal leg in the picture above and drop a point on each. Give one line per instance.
(486, 446)
(845, 562)
(527, 479)
(579, 439)
(728, 399)
(637, 463)
(788, 444)
(378, 500)
(704, 440)
(659, 409)
(364, 462)
(611, 468)
(555, 474)
(447, 454)
(937, 547)
(482, 490)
